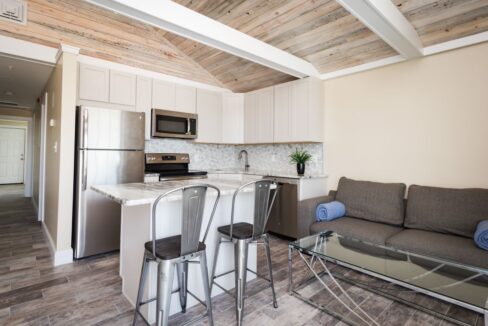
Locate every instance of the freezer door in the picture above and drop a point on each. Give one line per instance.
(97, 218)
(110, 129)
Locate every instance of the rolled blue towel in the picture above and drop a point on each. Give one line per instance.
(330, 211)
(481, 235)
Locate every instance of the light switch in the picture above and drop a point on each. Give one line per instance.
(52, 123)
(55, 147)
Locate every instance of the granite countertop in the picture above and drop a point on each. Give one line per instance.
(268, 173)
(131, 194)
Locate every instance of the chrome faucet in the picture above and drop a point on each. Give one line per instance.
(246, 162)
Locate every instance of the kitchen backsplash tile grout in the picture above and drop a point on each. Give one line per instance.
(269, 157)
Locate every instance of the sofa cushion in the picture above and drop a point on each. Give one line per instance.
(454, 211)
(444, 246)
(351, 227)
(373, 201)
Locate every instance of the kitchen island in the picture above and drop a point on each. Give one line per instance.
(136, 200)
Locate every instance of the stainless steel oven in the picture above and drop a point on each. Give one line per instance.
(172, 124)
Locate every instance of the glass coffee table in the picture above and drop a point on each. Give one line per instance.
(455, 283)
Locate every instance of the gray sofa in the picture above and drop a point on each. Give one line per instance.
(433, 221)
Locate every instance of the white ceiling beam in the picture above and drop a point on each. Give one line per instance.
(385, 20)
(187, 23)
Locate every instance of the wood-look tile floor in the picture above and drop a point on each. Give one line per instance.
(88, 292)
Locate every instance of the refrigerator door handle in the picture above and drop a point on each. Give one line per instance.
(85, 128)
(84, 170)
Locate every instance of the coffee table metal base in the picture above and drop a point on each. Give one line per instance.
(361, 314)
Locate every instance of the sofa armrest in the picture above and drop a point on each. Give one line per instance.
(306, 212)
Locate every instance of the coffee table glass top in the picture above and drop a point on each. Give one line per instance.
(460, 282)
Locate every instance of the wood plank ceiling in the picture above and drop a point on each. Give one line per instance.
(102, 34)
(438, 21)
(319, 31)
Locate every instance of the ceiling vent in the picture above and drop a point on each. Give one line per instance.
(14, 11)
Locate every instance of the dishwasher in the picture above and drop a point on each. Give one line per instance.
(283, 219)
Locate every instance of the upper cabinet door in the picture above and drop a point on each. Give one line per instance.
(265, 114)
(250, 118)
(233, 118)
(185, 99)
(122, 88)
(144, 101)
(94, 83)
(282, 119)
(299, 110)
(163, 95)
(209, 109)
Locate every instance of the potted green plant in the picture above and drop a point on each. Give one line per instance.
(300, 157)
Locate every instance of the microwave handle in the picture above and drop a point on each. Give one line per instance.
(188, 126)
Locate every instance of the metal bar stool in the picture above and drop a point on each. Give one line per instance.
(241, 235)
(178, 251)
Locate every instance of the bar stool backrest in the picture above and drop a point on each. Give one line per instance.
(262, 205)
(193, 206)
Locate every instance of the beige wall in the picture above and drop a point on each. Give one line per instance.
(61, 89)
(423, 121)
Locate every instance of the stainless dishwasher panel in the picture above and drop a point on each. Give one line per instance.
(283, 217)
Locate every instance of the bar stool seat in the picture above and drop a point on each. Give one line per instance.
(240, 231)
(169, 248)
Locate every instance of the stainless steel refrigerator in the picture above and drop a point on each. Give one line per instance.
(109, 150)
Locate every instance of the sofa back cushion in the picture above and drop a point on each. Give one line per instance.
(446, 210)
(373, 201)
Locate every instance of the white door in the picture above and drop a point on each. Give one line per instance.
(12, 152)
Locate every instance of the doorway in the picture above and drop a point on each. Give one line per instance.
(12, 152)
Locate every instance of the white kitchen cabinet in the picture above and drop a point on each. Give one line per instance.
(94, 83)
(250, 118)
(163, 95)
(232, 118)
(258, 116)
(144, 101)
(265, 116)
(209, 109)
(298, 111)
(122, 88)
(282, 113)
(185, 99)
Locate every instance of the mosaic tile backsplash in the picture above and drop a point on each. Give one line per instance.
(269, 157)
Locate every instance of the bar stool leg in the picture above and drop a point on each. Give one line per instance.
(214, 264)
(142, 282)
(240, 257)
(182, 270)
(270, 269)
(206, 288)
(166, 271)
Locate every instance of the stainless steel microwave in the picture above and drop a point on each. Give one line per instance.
(172, 124)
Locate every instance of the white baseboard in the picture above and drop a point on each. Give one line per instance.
(60, 257)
